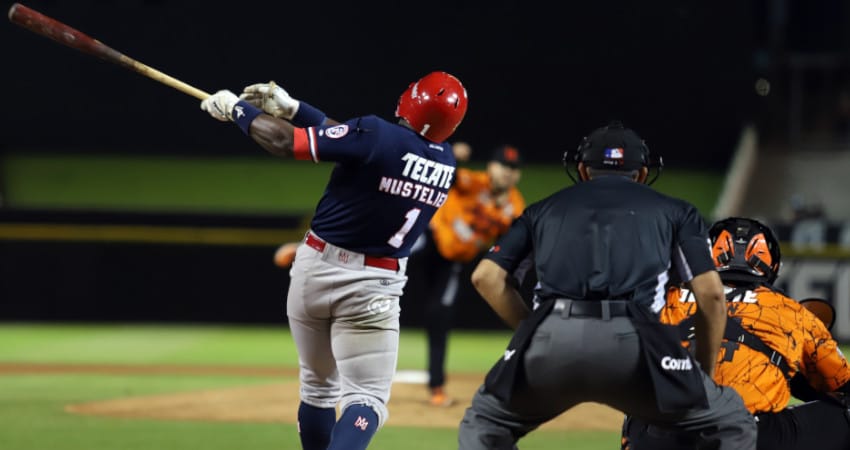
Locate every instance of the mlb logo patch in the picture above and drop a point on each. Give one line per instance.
(337, 131)
(614, 153)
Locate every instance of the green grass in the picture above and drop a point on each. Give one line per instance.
(163, 184)
(32, 416)
(701, 188)
(146, 344)
(33, 419)
(261, 184)
(31, 406)
(211, 345)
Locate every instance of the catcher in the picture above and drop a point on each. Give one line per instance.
(774, 347)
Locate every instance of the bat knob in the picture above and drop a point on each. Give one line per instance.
(12, 10)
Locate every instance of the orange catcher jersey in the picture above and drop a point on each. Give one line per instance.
(470, 220)
(785, 326)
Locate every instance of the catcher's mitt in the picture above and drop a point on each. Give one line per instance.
(822, 309)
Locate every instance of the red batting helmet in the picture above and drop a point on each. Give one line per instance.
(744, 250)
(434, 105)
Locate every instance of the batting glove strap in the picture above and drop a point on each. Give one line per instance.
(243, 114)
(308, 116)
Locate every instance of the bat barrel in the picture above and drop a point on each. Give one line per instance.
(68, 36)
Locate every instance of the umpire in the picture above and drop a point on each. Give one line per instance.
(604, 250)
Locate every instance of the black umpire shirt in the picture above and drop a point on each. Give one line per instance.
(607, 238)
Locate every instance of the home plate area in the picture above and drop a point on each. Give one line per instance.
(278, 402)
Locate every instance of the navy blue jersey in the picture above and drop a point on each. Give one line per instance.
(387, 183)
(609, 237)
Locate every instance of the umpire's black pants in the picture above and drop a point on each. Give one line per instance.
(814, 425)
(572, 360)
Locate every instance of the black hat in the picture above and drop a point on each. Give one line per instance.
(613, 147)
(507, 155)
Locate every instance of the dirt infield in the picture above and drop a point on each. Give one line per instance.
(278, 402)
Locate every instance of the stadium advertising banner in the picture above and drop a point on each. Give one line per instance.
(827, 278)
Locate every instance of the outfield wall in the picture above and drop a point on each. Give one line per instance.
(137, 267)
(821, 277)
(101, 266)
(126, 282)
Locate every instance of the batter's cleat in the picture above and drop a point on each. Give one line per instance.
(439, 398)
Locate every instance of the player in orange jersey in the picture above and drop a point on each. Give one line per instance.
(481, 205)
(770, 340)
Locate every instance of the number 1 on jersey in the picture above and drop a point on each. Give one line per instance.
(398, 237)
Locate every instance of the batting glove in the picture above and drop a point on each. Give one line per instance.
(272, 99)
(220, 105)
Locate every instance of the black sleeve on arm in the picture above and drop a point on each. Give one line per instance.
(802, 390)
(691, 255)
(513, 247)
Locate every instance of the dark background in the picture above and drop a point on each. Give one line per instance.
(540, 75)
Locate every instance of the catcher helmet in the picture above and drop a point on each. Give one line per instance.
(434, 106)
(744, 250)
(612, 147)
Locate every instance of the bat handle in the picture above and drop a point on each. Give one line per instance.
(168, 80)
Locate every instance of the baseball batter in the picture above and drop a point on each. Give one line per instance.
(349, 271)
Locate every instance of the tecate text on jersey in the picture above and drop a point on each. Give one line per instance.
(425, 172)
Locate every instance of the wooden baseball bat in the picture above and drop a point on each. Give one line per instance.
(65, 35)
